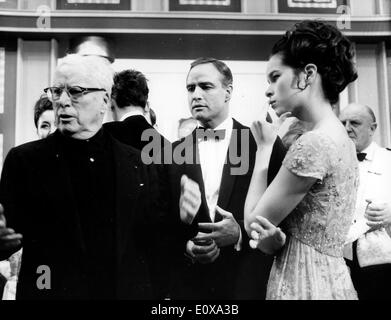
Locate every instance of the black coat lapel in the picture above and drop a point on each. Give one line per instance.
(228, 180)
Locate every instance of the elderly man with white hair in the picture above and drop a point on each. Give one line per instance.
(82, 200)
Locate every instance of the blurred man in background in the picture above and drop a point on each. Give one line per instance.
(368, 249)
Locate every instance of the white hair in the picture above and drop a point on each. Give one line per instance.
(95, 67)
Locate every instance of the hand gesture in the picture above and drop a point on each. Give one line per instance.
(378, 214)
(190, 199)
(266, 236)
(224, 233)
(281, 119)
(202, 252)
(8, 238)
(264, 133)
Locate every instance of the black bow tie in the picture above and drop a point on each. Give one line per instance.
(207, 133)
(361, 156)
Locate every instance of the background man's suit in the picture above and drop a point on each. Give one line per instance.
(36, 193)
(234, 274)
(130, 130)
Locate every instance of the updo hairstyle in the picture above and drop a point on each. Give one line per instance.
(325, 46)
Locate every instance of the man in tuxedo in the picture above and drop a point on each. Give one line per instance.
(81, 199)
(368, 249)
(209, 177)
(130, 109)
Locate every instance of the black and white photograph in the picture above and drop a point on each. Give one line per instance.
(195, 157)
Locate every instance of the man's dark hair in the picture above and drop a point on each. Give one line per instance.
(43, 104)
(152, 115)
(130, 88)
(219, 65)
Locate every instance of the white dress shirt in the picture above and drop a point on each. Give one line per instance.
(359, 224)
(375, 184)
(132, 113)
(213, 153)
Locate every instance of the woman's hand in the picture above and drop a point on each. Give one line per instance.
(265, 133)
(266, 236)
(281, 119)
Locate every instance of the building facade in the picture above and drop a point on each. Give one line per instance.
(161, 37)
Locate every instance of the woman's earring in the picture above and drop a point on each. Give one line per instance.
(305, 84)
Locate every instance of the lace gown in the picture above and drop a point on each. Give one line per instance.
(311, 265)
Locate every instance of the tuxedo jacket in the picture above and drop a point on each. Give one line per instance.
(234, 274)
(39, 202)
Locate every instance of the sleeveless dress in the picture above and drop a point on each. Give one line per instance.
(311, 264)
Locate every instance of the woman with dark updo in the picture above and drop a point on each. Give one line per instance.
(314, 192)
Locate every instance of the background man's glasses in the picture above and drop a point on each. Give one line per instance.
(54, 93)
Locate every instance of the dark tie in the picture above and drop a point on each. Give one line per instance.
(207, 133)
(361, 156)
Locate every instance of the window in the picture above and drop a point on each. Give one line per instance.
(310, 6)
(93, 4)
(206, 5)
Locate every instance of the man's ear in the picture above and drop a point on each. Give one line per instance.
(373, 127)
(228, 92)
(105, 104)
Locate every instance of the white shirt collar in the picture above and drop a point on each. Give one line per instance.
(370, 151)
(131, 113)
(226, 125)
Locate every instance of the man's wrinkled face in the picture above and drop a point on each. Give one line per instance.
(359, 125)
(81, 117)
